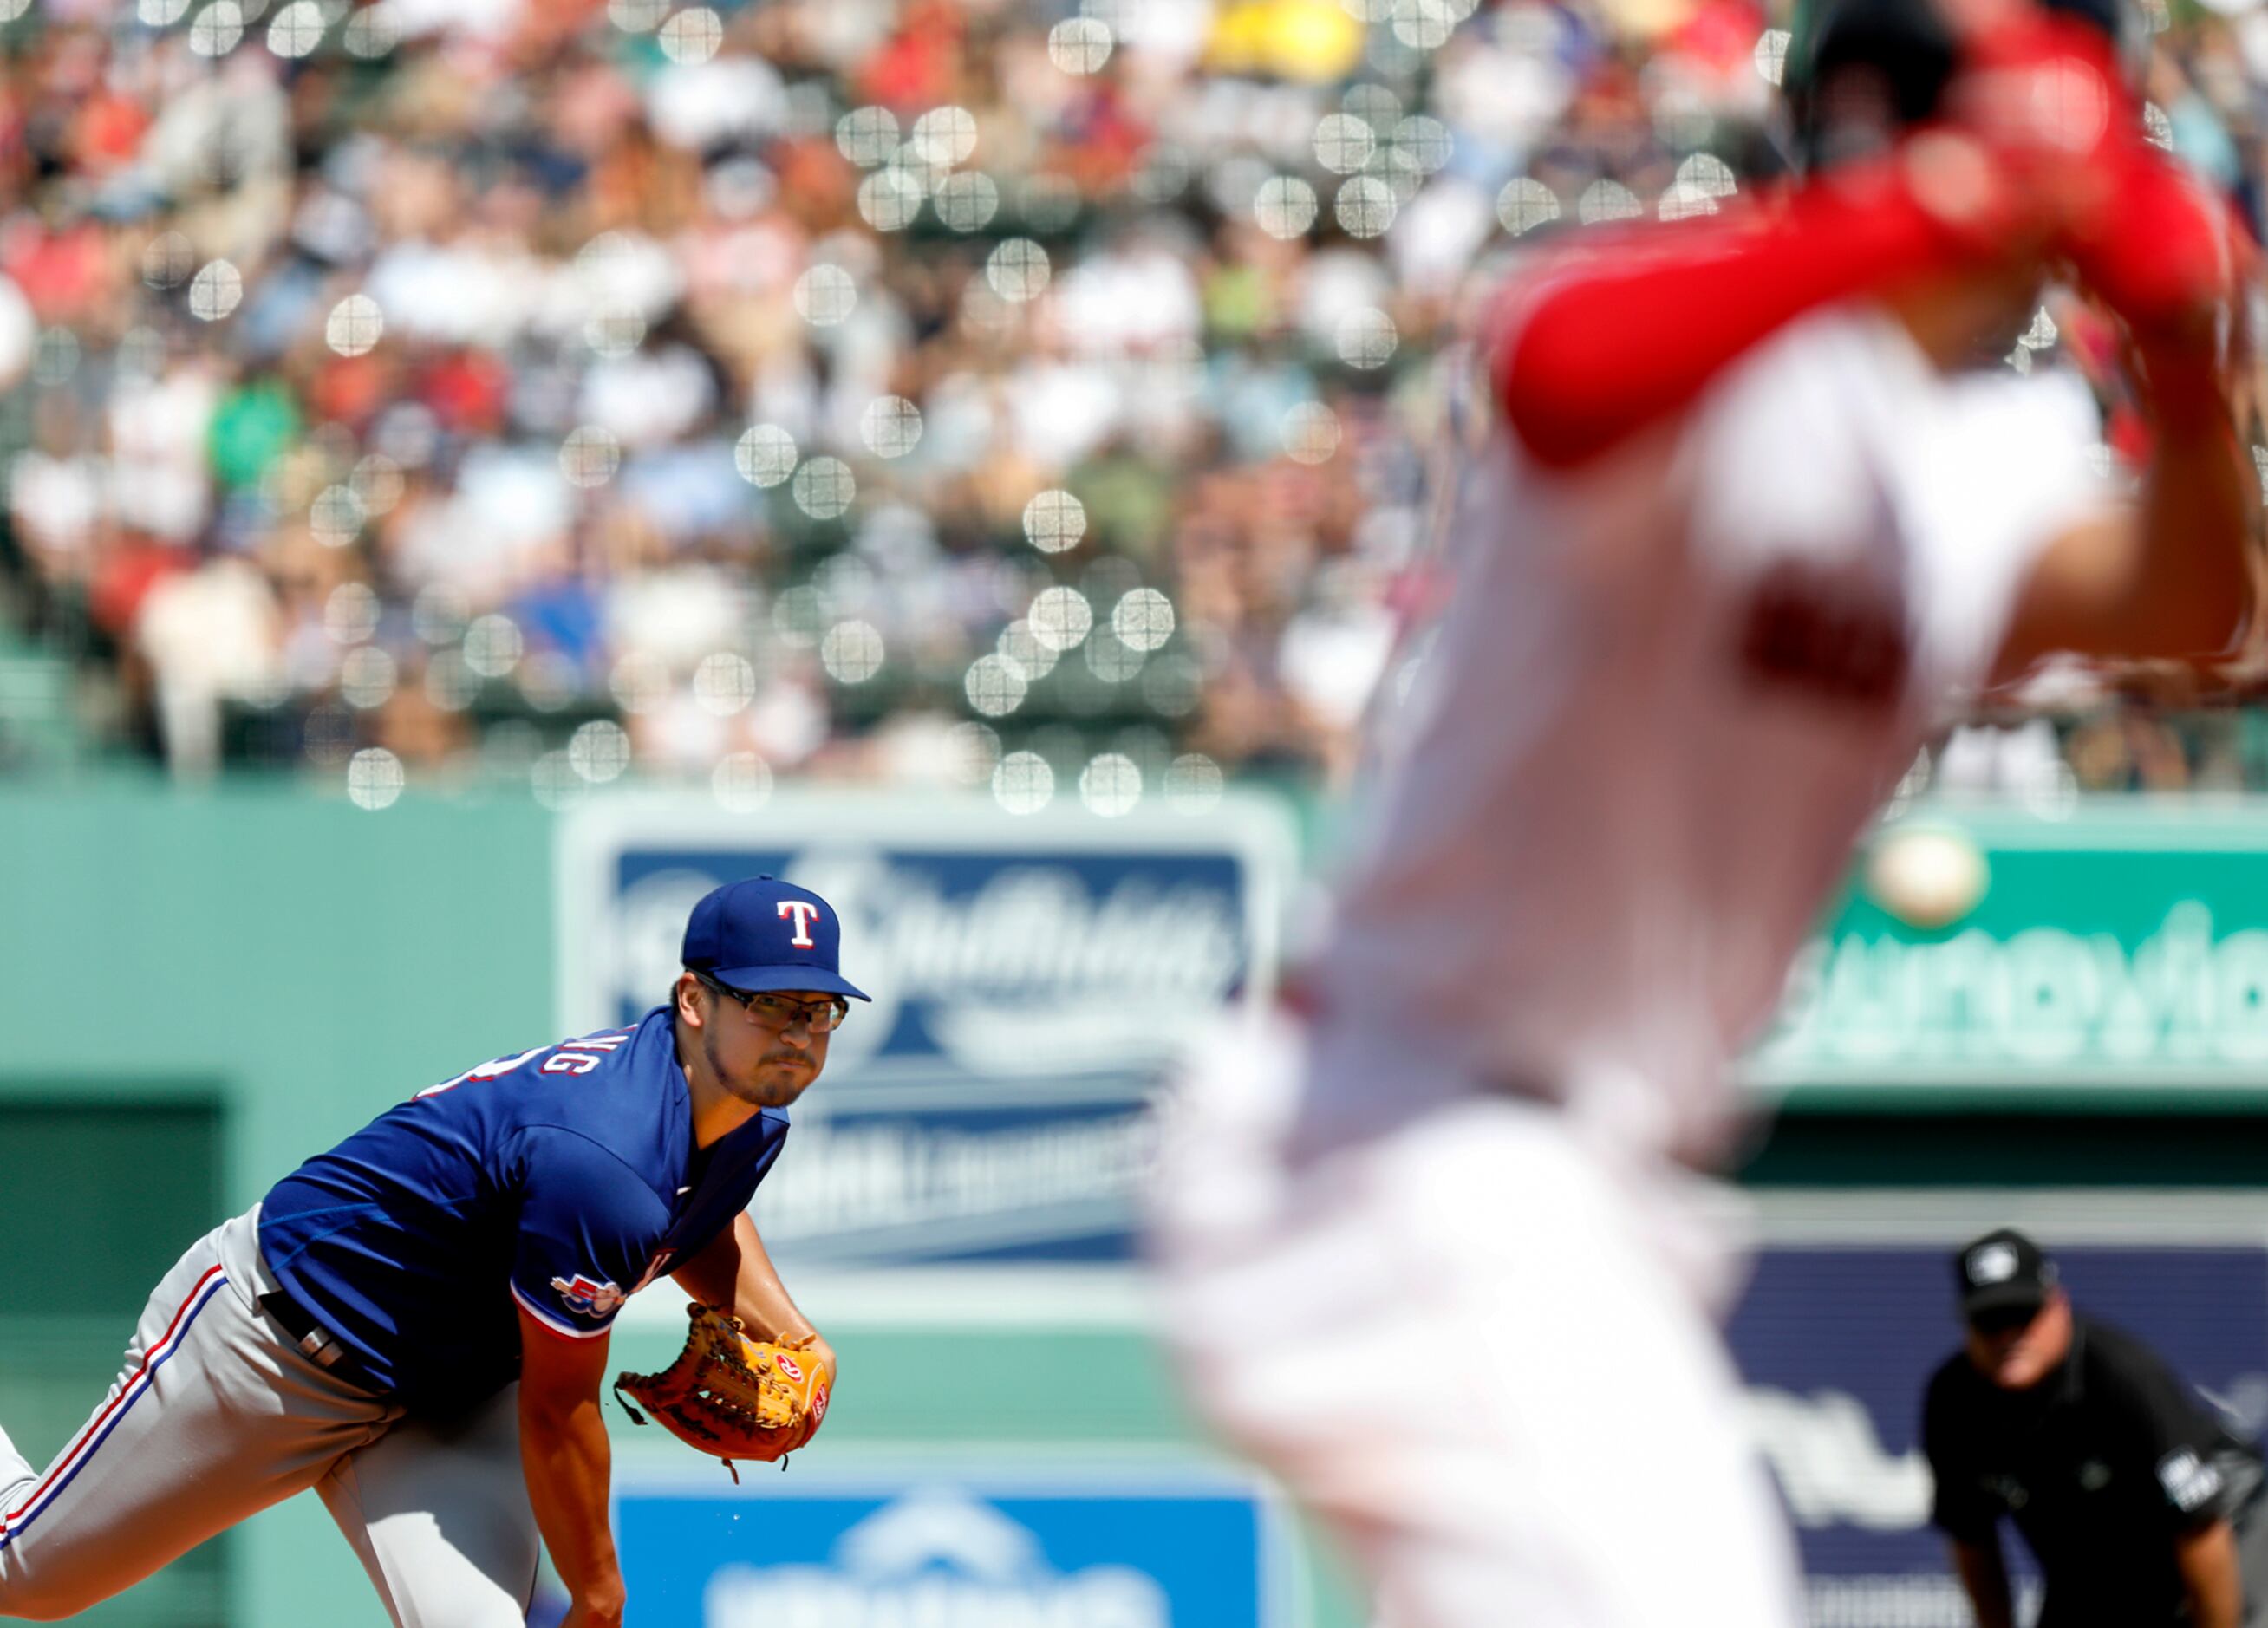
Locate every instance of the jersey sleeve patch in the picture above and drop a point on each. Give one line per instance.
(2190, 1480)
(589, 1230)
(551, 1319)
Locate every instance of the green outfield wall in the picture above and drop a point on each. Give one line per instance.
(200, 987)
(258, 972)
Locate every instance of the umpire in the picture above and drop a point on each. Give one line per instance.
(2139, 1502)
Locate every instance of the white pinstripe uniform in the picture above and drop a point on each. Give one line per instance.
(1624, 778)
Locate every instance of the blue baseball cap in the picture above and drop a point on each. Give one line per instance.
(763, 934)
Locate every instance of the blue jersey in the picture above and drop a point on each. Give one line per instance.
(561, 1181)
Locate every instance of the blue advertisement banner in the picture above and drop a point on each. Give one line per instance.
(949, 1552)
(1835, 1344)
(1031, 978)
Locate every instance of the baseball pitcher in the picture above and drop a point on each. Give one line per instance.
(415, 1323)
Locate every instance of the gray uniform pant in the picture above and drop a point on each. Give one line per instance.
(216, 1414)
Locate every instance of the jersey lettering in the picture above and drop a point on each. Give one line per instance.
(802, 911)
(1804, 633)
(486, 1071)
(571, 1063)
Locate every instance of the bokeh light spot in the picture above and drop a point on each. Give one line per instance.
(1018, 271)
(1311, 433)
(995, 686)
(1110, 784)
(296, 30)
(1053, 521)
(1605, 200)
(823, 487)
(1060, 617)
(1023, 784)
(891, 426)
(1143, 619)
(351, 614)
(826, 294)
(367, 677)
(851, 652)
(1285, 207)
(590, 455)
(1366, 338)
(866, 136)
(374, 778)
(742, 782)
(1343, 144)
(1365, 207)
(1424, 141)
(765, 455)
(723, 683)
(217, 291)
(355, 326)
(168, 260)
(693, 36)
(217, 29)
(945, 137)
(1771, 53)
(599, 751)
(967, 202)
(336, 516)
(493, 645)
(1194, 783)
(1079, 45)
(373, 31)
(889, 199)
(1524, 204)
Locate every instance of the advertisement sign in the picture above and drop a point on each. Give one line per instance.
(1836, 1343)
(1032, 977)
(956, 1552)
(2118, 947)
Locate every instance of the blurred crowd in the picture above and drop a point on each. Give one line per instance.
(1032, 396)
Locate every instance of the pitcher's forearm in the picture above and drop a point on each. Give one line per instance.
(567, 1460)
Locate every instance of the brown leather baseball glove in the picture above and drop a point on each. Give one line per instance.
(730, 1396)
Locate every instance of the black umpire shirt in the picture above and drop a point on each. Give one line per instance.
(2100, 1465)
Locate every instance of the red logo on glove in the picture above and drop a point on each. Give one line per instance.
(787, 1366)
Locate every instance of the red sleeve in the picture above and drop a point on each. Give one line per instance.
(1592, 351)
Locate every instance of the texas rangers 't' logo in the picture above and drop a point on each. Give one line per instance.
(801, 911)
(587, 1298)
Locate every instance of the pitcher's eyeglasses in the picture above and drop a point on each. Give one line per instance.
(778, 1011)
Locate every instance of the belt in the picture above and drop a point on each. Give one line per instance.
(315, 1342)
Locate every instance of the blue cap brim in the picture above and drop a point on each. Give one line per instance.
(764, 980)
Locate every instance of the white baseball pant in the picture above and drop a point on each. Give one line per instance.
(215, 1415)
(1479, 1352)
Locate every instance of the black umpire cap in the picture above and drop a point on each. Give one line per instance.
(2003, 1270)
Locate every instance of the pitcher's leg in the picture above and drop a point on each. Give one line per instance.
(438, 1513)
(208, 1422)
